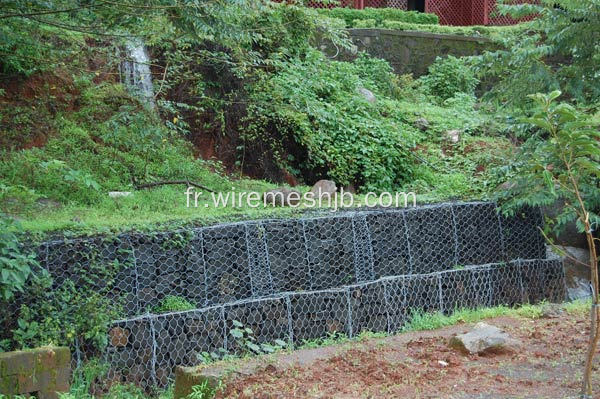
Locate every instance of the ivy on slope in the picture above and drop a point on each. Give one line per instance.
(314, 105)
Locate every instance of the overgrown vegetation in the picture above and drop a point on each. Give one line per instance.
(245, 83)
(558, 51)
(16, 265)
(350, 16)
(316, 106)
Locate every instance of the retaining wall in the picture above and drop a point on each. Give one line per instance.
(225, 263)
(42, 372)
(155, 344)
(409, 51)
(299, 279)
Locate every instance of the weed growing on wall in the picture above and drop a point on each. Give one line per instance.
(172, 303)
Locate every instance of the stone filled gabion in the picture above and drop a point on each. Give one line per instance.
(302, 279)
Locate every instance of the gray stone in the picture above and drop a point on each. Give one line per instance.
(282, 196)
(422, 124)
(484, 338)
(553, 311)
(48, 203)
(452, 136)
(570, 235)
(367, 94)
(408, 52)
(323, 187)
(119, 194)
(577, 274)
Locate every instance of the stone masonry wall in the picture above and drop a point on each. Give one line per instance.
(410, 52)
(42, 372)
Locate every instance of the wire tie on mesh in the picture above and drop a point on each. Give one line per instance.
(349, 304)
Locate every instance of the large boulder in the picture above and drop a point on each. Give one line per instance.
(323, 187)
(570, 235)
(282, 196)
(484, 338)
(577, 273)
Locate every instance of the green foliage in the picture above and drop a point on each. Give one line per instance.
(314, 103)
(558, 51)
(90, 378)
(495, 33)
(431, 321)
(172, 303)
(74, 312)
(62, 316)
(448, 77)
(562, 161)
(110, 144)
(204, 391)
(16, 265)
(350, 15)
(246, 343)
(245, 339)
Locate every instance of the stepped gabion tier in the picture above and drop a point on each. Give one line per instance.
(300, 279)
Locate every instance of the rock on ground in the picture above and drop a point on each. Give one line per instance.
(484, 338)
(577, 274)
(452, 136)
(323, 187)
(422, 124)
(367, 94)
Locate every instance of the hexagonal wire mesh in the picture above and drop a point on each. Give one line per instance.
(302, 279)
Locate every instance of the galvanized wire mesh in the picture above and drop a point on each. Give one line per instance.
(157, 343)
(224, 263)
(300, 279)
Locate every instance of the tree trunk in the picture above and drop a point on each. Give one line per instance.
(586, 391)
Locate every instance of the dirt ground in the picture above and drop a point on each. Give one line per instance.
(421, 365)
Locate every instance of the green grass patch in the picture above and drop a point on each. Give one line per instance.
(494, 33)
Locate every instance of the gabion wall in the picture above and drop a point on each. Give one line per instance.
(299, 279)
(157, 343)
(230, 262)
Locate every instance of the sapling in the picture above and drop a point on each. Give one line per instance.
(561, 164)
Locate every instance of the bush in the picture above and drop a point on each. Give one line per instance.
(364, 23)
(449, 76)
(379, 14)
(174, 304)
(15, 265)
(312, 118)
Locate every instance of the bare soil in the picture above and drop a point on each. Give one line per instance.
(421, 365)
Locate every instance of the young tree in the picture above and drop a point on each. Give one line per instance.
(562, 162)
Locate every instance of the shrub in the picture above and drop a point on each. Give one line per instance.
(364, 23)
(448, 77)
(312, 118)
(15, 265)
(349, 15)
(559, 50)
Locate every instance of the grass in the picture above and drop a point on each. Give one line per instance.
(146, 210)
